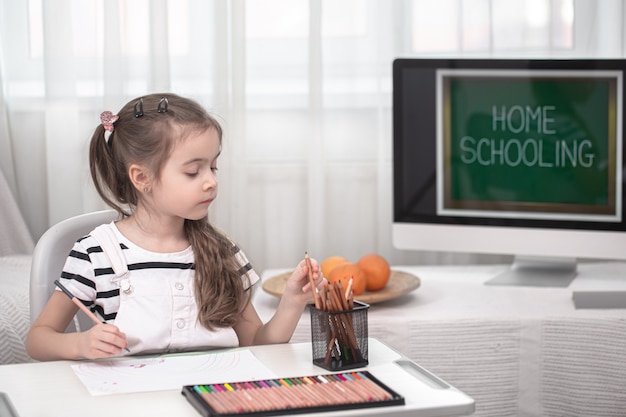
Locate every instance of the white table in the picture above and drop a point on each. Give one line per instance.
(53, 389)
(518, 351)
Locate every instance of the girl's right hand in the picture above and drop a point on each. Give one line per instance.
(102, 341)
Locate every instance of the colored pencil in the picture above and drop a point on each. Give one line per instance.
(311, 280)
(80, 305)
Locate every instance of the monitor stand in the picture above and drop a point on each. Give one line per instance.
(537, 272)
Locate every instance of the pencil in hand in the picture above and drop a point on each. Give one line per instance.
(312, 281)
(81, 306)
(76, 301)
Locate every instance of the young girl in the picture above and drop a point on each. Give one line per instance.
(188, 285)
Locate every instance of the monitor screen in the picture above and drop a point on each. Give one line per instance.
(510, 156)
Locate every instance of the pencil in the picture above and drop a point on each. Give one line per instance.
(313, 287)
(80, 305)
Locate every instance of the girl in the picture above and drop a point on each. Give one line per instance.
(188, 286)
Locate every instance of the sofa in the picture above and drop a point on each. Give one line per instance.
(16, 247)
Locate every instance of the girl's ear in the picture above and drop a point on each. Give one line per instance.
(140, 178)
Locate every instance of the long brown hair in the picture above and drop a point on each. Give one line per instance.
(146, 131)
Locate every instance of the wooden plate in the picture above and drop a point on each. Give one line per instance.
(400, 283)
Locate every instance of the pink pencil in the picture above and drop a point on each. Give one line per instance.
(80, 305)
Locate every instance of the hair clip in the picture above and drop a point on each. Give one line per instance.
(139, 108)
(107, 119)
(163, 104)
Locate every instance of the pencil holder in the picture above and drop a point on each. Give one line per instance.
(339, 338)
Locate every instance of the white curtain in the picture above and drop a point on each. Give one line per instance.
(302, 87)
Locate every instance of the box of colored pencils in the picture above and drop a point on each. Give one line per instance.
(339, 334)
(287, 396)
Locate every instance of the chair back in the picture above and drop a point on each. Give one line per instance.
(49, 257)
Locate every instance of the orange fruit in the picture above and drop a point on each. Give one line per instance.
(343, 272)
(329, 263)
(377, 271)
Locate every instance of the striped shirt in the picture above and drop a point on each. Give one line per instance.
(88, 273)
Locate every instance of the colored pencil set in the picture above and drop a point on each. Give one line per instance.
(291, 395)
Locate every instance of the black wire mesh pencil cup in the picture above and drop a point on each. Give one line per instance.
(339, 338)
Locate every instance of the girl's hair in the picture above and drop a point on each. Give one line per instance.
(145, 133)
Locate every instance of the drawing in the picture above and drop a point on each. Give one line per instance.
(128, 374)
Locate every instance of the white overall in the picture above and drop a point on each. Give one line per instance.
(158, 315)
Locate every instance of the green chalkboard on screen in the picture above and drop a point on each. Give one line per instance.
(541, 142)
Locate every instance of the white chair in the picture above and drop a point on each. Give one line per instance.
(49, 257)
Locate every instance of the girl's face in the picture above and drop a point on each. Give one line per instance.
(188, 183)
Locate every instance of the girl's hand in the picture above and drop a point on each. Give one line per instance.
(298, 286)
(102, 341)
(280, 328)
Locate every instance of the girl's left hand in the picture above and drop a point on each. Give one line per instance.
(298, 285)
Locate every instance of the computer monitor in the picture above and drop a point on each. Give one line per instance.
(511, 156)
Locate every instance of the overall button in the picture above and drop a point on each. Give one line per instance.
(180, 323)
(179, 286)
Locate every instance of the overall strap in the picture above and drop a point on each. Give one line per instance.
(111, 247)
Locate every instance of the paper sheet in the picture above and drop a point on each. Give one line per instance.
(169, 372)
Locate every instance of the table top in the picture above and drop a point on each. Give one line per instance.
(53, 388)
(459, 292)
